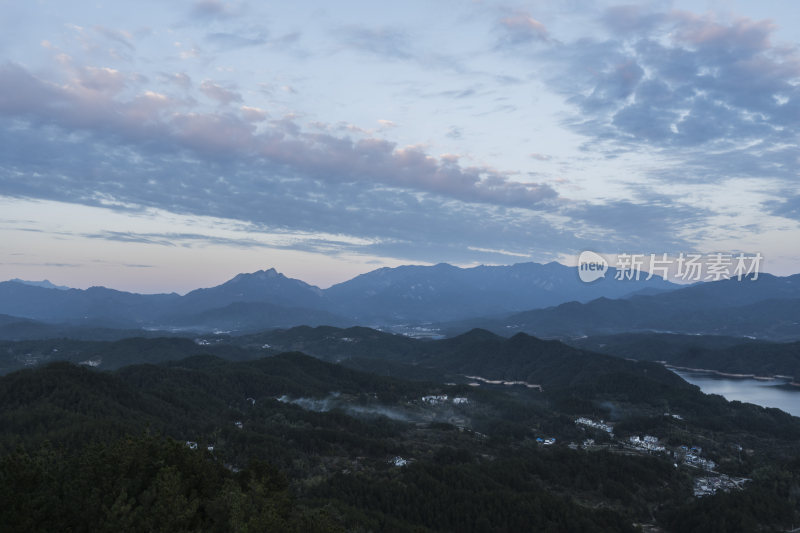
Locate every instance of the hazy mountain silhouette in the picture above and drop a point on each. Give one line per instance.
(384, 296)
(768, 307)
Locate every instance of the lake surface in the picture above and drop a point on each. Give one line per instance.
(759, 392)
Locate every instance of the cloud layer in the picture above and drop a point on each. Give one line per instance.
(495, 132)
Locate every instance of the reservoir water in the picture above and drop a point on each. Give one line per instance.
(767, 393)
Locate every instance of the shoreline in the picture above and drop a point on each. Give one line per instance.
(789, 380)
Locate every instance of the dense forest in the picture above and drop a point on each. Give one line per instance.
(227, 435)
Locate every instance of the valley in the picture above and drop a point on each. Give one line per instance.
(386, 432)
(415, 427)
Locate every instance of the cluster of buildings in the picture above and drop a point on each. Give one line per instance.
(648, 442)
(438, 399)
(434, 399)
(688, 455)
(205, 342)
(420, 332)
(192, 445)
(398, 461)
(692, 457)
(705, 486)
(583, 421)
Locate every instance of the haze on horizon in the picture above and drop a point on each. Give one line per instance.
(159, 147)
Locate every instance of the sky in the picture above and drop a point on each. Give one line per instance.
(164, 146)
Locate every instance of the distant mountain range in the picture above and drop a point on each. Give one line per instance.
(544, 300)
(444, 292)
(768, 307)
(267, 299)
(45, 283)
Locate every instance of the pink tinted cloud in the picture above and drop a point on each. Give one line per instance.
(152, 118)
(742, 35)
(219, 93)
(105, 80)
(521, 27)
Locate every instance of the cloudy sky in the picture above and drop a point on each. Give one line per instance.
(160, 146)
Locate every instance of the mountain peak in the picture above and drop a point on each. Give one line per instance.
(45, 284)
(478, 334)
(257, 275)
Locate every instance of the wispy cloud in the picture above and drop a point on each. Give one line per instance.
(718, 96)
(457, 138)
(521, 28)
(220, 94)
(118, 36)
(217, 9)
(390, 43)
(153, 118)
(242, 38)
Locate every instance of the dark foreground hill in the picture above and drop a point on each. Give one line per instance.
(292, 443)
(336, 461)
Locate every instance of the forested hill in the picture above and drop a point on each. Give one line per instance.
(293, 443)
(110, 355)
(274, 464)
(478, 353)
(171, 398)
(731, 355)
